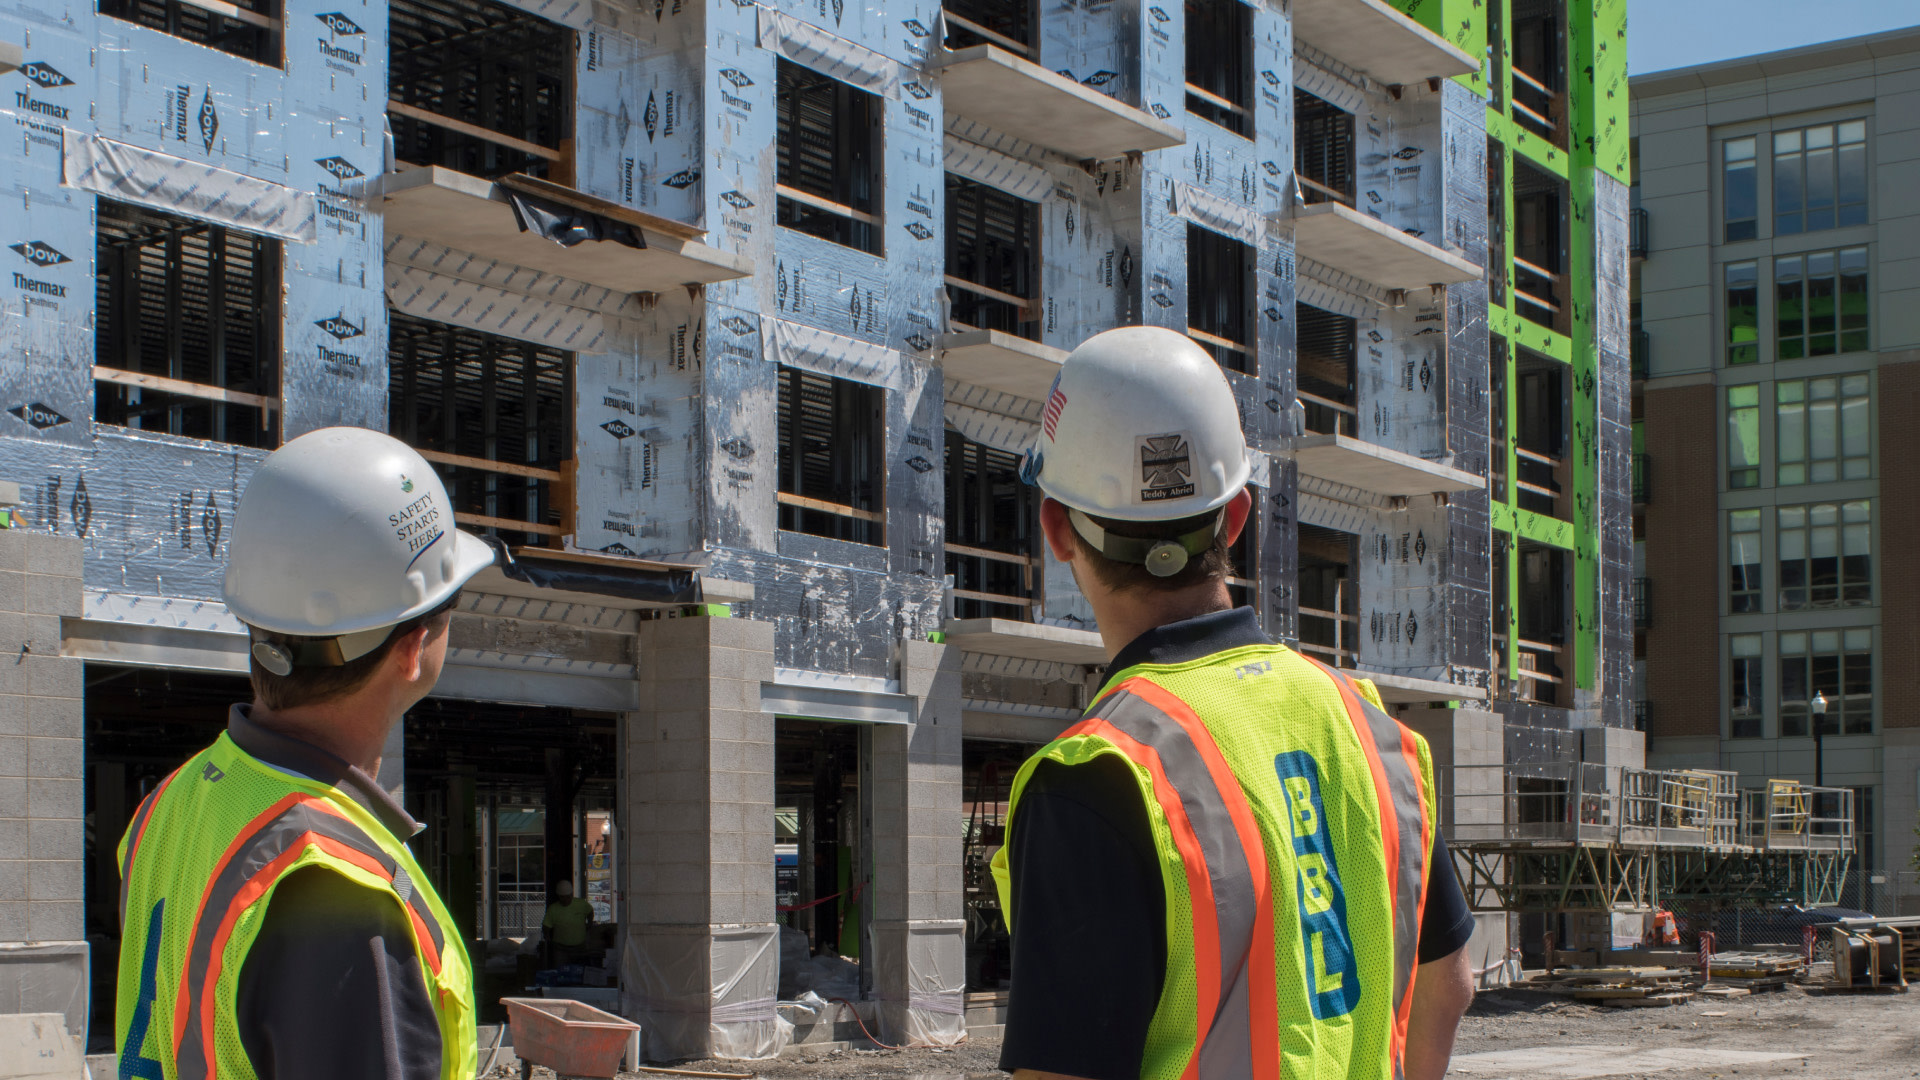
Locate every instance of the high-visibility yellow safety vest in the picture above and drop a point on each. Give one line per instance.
(198, 866)
(1294, 819)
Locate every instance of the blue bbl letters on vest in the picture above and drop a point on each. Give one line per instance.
(1333, 976)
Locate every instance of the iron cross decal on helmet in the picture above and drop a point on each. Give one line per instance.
(1166, 467)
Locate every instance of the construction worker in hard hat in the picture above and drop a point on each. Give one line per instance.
(1230, 867)
(275, 924)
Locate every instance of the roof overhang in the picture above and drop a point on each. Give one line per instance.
(1028, 641)
(1018, 97)
(1001, 361)
(1406, 690)
(1357, 464)
(1370, 36)
(470, 214)
(1338, 236)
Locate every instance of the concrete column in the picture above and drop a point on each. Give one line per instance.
(919, 924)
(700, 964)
(42, 837)
(1469, 760)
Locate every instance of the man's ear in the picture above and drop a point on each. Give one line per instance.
(1058, 530)
(1237, 510)
(409, 653)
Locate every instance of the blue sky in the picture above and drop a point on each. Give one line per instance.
(1664, 34)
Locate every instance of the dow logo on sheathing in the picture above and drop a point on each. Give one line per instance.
(209, 120)
(340, 167)
(619, 429)
(45, 76)
(340, 327)
(39, 253)
(340, 25)
(738, 78)
(685, 178)
(38, 415)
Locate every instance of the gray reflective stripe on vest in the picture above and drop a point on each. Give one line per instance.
(1226, 1049)
(1404, 788)
(273, 840)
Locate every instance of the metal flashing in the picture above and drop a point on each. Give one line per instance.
(820, 695)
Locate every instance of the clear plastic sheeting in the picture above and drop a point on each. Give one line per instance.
(194, 189)
(924, 1005)
(46, 977)
(705, 992)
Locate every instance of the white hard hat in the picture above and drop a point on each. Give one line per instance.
(1140, 426)
(344, 533)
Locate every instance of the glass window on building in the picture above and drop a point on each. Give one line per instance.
(1819, 177)
(1821, 428)
(1743, 313)
(1820, 303)
(1743, 436)
(1745, 687)
(1837, 664)
(1740, 185)
(1825, 555)
(1743, 562)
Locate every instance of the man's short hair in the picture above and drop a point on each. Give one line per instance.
(1213, 564)
(308, 685)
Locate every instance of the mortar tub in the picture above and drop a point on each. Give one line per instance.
(572, 1038)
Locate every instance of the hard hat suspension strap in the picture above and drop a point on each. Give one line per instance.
(1162, 556)
(281, 657)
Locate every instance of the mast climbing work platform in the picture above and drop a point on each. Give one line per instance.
(1574, 836)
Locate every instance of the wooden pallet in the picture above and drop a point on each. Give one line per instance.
(1651, 1001)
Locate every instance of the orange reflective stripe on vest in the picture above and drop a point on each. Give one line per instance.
(1406, 833)
(252, 865)
(1226, 870)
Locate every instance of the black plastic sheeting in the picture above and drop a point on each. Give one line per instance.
(567, 226)
(631, 583)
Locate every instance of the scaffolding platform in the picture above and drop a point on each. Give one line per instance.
(1577, 836)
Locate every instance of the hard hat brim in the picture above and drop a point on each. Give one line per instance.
(470, 554)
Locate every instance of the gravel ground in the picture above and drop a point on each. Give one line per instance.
(1523, 1035)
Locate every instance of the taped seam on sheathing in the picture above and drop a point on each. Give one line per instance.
(1210, 211)
(804, 43)
(997, 170)
(1330, 290)
(827, 353)
(178, 186)
(1328, 79)
(513, 278)
(496, 311)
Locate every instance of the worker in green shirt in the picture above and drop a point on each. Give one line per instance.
(565, 925)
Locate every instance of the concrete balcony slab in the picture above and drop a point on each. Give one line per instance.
(1010, 94)
(1405, 690)
(1028, 641)
(1001, 361)
(1370, 36)
(470, 214)
(1344, 459)
(1338, 236)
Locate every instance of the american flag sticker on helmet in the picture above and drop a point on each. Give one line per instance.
(1056, 403)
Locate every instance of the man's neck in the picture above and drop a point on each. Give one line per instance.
(350, 734)
(1124, 616)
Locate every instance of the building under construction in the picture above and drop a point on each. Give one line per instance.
(730, 321)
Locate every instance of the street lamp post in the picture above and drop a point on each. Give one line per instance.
(1819, 749)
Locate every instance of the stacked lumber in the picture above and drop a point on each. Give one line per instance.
(1622, 987)
(1756, 970)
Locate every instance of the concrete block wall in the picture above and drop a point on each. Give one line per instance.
(42, 834)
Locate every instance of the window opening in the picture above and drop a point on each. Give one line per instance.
(831, 476)
(1005, 23)
(1743, 313)
(188, 340)
(993, 263)
(1743, 562)
(1543, 622)
(246, 28)
(1746, 684)
(829, 180)
(494, 416)
(1220, 297)
(1220, 64)
(1826, 556)
(481, 88)
(1496, 221)
(1326, 347)
(1322, 149)
(1743, 436)
(1820, 303)
(987, 771)
(1329, 603)
(1739, 187)
(1642, 604)
(1503, 621)
(1540, 446)
(818, 802)
(1819, 177)
(1835, 663)
(1540, 247)
(1540, 68)
(991, 532)
(1498, 369)
(1821, 429)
